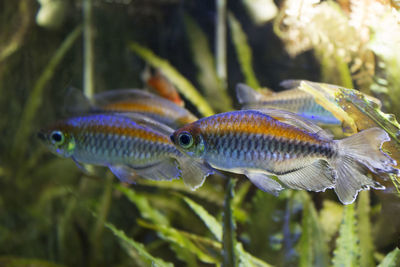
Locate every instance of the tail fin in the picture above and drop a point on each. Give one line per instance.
(193, 173)
(357, 154)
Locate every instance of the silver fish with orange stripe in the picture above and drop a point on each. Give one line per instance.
(130, 100)
(266, 143)
(129, 144)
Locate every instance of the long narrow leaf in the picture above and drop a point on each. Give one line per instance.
(182, 84)
(137, 246)
(392, 259)
(176, 237)
(213, 225)
(248, 260)
(245, 258)
(143, 205)
(347, 250)
(243, 52)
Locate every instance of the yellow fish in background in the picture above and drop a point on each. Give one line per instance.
(163, 87)
(294, 99)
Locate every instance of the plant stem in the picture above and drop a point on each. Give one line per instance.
(220, 42)
(88, 58)
(228, 236)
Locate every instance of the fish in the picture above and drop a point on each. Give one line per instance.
(268, 143)
(129, 100)
(163, 87)
(293, 100)
(128, 144)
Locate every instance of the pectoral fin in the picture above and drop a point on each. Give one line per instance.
(194, 173)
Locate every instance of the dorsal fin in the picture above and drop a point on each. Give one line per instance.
(147, 122)
(295, 120)
(112, 96)
(76, 103)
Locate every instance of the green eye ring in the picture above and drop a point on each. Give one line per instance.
(57, 137)
(185, 140)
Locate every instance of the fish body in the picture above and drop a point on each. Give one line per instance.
(124, 145)
(130, 100)
(148, 104)
(261, 144)
(293, 100)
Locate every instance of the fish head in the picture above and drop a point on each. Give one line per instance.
(58, 140)
(189, 140)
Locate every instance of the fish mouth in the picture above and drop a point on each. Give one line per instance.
(41, 136)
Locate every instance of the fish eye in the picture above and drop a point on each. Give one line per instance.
(185, 140)
(57, 137)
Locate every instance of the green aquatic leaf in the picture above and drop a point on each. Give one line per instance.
(184, 86)
(330, 217)
(229, 227)
(364, 230)
(347, 251)
(265, 220)
(142, 203)
(183, 241)
(312, 247)
(245, 258)
(213, 225)
(208, 192)
(240, 214)
(248, 260)
(140, 248)
(392, 259)
(243, 51)
(204, 60)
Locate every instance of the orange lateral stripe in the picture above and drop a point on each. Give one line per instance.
(133, 106)
(249, 124)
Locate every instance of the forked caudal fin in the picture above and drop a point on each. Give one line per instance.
(356, 154)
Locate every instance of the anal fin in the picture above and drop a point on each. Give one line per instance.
(124, 173)
(194, 173)
(315, 177)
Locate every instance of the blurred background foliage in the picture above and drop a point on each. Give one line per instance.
(52, 214)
